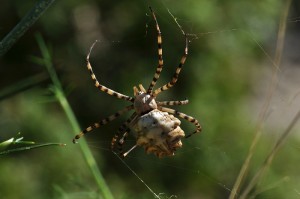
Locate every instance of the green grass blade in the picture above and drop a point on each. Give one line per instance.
(27, 21)
(59, 94)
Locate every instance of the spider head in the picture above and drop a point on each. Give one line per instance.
(143, 102)
(159, 133)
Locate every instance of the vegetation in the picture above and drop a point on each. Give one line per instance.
(240, 79)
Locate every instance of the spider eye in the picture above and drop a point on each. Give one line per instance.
(140, 92)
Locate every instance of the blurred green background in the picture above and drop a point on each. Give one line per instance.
(226, 78)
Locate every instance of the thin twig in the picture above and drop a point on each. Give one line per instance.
(263, 113)
(270, 157)
(26, 22)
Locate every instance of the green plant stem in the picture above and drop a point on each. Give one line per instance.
(84, 147)
(26, 22)
(58, 90)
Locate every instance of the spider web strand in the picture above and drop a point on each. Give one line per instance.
(155, 195)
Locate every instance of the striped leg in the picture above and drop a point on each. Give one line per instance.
(184, 116)
(123, 129)
(176, 74)
(160, 58)
(172, 103)
(101, 87)
(102, 122)
(121, 141)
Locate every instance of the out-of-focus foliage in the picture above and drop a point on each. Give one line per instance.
(226, 78)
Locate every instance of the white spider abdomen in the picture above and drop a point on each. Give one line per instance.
(158, 132)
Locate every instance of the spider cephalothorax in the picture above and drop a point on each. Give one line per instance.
(154, 126)
(143, 102)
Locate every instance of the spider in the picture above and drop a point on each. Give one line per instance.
(156, 129)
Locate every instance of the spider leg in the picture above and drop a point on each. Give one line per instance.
(125, 130)
(172, 103)
(102, 122)
(100, 86)
(160, 58)
(176, 74)
(122, 129)
(126, 153)
(125, 135)
(184, 116)
(121, 142)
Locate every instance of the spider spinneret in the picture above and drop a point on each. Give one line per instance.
(156, 128)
